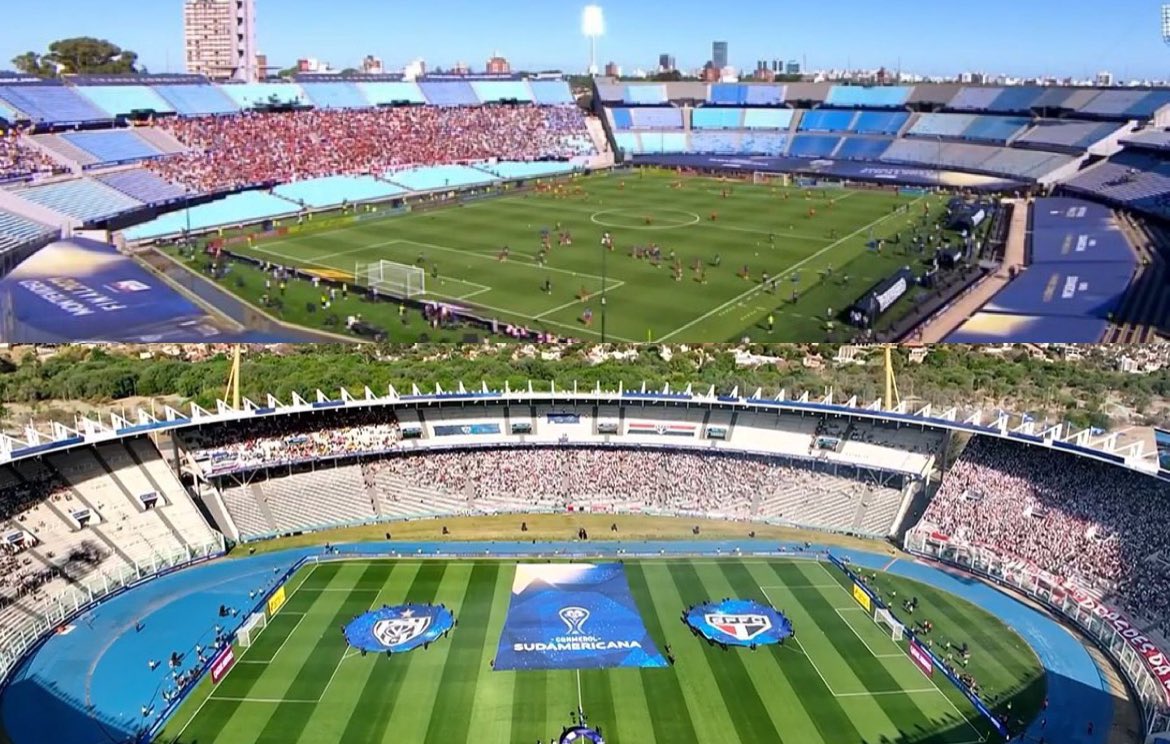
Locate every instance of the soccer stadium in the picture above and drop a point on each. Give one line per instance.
(445, 207)
(580, 565)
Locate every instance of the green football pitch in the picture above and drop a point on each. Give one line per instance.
(823, 259)
(841, 680)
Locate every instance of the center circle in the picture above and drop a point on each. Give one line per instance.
(633, 219)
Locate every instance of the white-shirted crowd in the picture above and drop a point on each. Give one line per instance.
(1105, 527)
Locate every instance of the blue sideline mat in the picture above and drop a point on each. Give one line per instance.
(574, 616)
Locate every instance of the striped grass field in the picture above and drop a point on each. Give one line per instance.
(843, 680)
(826, 252)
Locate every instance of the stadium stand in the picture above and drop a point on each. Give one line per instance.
(20, 159)
(332, 191)
(386, 93)
(551, 92)
(238, 209)
(880, 122)
(1151, 139)
(339, 95)
(143, 185)
(494, 91)
(82, 199)
(123, 100)
(664, 142)
(856, 96)
(755, 118)
(645, 94)
(16, 231)
(655, 118)
(197, 99)
(813, 145)
(508, 170)
(997, 129)
(1137, 104)
(112, 145)
(863, 148)
(255, 95)
(741, 94)
(430, 178)
(975, 99)
(1100, 527)
(941, 125)
(1129, 178)
(723, 143)
(825, 120)
(449, 93)
(51, 104)
(717, 118)
(1059, 134)
(1017, 98)
(7, 113)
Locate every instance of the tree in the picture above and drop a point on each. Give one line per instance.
(81, 55)
(351, 72)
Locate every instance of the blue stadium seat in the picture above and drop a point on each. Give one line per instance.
(197, 100)
(813, 146)
(941, 125)
(1017, 98)
(439, 177)
(381, 94)
(645, 94)
(622, 118)
(768, 118)
(113, 146)
(664, 142)
(143, 185)
(333, 191)
(878, 96)
(717, 118)
(339, 95)
(727, 94)
(763, 143)
(16, 230)
(880, 122)
(765, 95)
(502, 90)
(120, 100)
(628, 142)
(551, 92)
(449, 93)
(716, 143)
(1061, 133)
(824, 120)
(656, 118)
(238, 209)
(998, 129)
(974, 99)
(82, 199)
(251, 95)
(863, 148)
(53, 104)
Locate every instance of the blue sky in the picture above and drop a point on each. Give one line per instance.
(1018, 37)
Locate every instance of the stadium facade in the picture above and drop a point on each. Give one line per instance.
(259, 472)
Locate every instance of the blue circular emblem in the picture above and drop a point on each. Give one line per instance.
(399, 628)
(581, 734)
(738, 622)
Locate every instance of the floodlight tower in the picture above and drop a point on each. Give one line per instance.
(1166, 23)
(593, 27)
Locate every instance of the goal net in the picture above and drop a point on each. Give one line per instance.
(251, 628)
(882, 616)
(778, 179)
(394, 279)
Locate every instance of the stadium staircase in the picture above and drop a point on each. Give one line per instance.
(162, 140)
(601, 143)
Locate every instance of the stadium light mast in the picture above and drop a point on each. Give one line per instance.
(593, 28)
(1166, 23)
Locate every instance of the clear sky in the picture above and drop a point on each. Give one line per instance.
(1016, 37)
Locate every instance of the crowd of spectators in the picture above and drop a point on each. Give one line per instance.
(258, 148)
(1107, 528)
(279, 440)
(20, 160)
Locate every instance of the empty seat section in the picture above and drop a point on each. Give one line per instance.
(880, 122)
(656, 118)
(55, 104)
(826, 121)
(863, 148)
(119, 100)
(143, 185)
(941, 125)
(1147, 107)
(381, 94)
(880, 96)
(765, 95)
(767, 118)
(81, 199)
(237, 209)
(628, 142)
(335, 190)
(340, 95)
(722, 143)
(439, 177)
(1072, 134)
(15, 230)
(551, 92)
(622, 118)
(449, 93)
(251, 95)
(197, 100)
(502, 90)
(975, 99)
(664, 142)
(9, 114)
(113, 146)
(763, 143)
(995, 128)
(727, 94)
(813, 146)
(1017, 98)
(648, 94)
(717, 118)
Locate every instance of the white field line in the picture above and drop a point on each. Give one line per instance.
(875, 654)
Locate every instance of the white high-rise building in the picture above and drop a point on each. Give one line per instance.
(219, 37)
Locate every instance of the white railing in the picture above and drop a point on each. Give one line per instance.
(17, 638)
(1147, 672)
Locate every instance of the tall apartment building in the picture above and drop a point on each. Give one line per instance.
(219, 37)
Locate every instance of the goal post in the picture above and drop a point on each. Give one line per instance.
(251, 628)
(882, 616)
(393, 279)
(777, 179)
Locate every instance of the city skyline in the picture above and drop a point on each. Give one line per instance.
(925, 40)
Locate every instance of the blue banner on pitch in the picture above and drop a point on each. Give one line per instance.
(574, 616)
(739, 622)
(400, 628)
